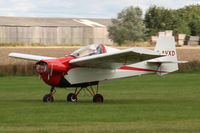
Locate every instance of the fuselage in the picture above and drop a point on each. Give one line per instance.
(60, 73)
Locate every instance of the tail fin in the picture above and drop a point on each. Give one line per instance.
(166, 45)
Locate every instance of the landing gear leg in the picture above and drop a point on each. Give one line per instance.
(49, 97)
(97, 98)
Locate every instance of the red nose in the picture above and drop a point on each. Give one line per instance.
(46, 67)
(52, 70)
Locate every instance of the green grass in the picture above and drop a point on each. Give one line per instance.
(11, 44)
(146, 104)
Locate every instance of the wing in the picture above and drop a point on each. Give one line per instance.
(116, 59)
(29, 56)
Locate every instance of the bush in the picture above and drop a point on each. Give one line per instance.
(2, 74)
(11, 44)
(192, 66)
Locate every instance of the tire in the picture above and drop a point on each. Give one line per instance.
(98, 98)
(71, 97)
(46, 98)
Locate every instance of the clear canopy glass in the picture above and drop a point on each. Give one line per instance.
(89, 50)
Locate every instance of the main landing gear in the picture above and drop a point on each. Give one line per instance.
(72, 97)
(97, 98)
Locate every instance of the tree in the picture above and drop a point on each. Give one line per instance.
(128, 26)
(182, 27)
(160, 19)
(154, 20)
(194, 19)
(195, 27)
(184, 20)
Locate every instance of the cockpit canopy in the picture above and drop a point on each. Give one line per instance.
(89, 50)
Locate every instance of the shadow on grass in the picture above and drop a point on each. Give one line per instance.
(110, 101)
(147, 101)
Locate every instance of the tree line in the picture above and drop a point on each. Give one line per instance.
(131, 26)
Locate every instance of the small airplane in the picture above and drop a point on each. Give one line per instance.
(92, 64)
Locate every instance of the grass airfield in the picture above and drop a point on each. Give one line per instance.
(145, 104)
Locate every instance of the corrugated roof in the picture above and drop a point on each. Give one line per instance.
(30, 21)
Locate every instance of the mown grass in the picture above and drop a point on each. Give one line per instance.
(145, 104)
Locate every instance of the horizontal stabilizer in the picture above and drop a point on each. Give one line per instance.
(29, 56)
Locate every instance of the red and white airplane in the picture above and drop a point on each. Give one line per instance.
(97, 63)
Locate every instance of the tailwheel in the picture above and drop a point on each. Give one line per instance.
(71, 97)
(49, 97)
(98, 98)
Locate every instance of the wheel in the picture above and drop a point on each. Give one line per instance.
(71, 97)
(46, 98)
(98, 98)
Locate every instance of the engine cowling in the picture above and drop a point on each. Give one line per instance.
(45, 67)
(52, 70)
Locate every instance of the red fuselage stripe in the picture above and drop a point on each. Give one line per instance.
(141, 69)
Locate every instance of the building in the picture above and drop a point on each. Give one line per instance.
(54, 30)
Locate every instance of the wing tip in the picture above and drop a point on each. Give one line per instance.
(11, 54)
